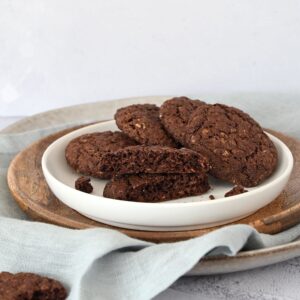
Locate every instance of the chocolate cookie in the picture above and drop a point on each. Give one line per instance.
(28, 286)
(141, 122)
(156, 187)
(153, 159)
(236, 146)
(84, 153)
(175, 114)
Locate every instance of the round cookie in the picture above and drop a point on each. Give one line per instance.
(175, 113)
(236, 146)
(141, 122)
(84, 153)
(30, 286)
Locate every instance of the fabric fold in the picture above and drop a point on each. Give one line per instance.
(105, 263)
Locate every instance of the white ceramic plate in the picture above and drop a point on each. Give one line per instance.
(182, 214)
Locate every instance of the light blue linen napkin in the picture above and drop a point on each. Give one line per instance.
(105, 264)
(102, 263)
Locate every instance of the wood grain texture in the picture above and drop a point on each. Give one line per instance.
(30, 190)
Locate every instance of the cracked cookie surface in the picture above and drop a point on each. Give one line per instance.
(236, 146)
(85, 152)
(141, 122)
(175, 114)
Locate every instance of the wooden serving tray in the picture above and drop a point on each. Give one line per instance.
(30, 190)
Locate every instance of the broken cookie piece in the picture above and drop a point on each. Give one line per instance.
(83, 184)
(236, 191)
(153, 159)
(156, 187)
(84, 153)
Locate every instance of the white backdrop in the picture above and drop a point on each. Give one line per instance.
(61, 52)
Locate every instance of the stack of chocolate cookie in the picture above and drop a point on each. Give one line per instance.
(154, 173)
(164, 153)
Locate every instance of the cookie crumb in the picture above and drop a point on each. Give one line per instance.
(83, 184)
(239, 189)
(212, 197)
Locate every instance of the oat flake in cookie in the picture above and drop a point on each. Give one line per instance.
(175, 114)
(153, 159)
(141, 122)
(156, 187)
(236, 146)
(29, 286)
(84, 153)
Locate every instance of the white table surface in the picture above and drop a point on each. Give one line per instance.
(279, 281)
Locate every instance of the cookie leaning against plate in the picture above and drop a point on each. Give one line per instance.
(236, 146)
(153, 159)
(156, 187)
(30, 286)
(141, 122)
(175, 114)
(84, 153)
